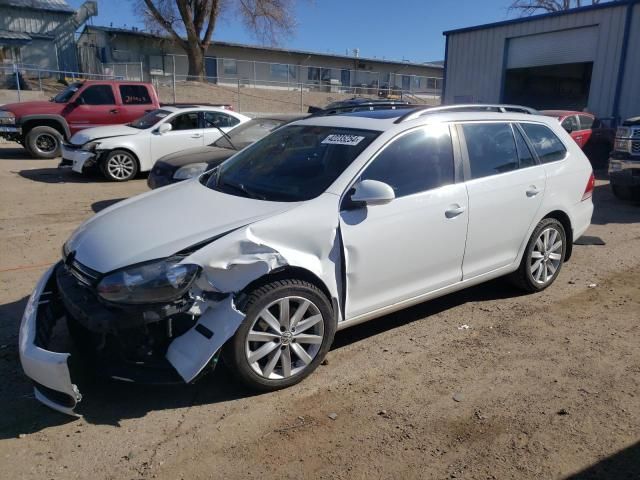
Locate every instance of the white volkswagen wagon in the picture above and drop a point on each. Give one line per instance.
(323, 224)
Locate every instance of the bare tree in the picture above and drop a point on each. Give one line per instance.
(191, 23)
(531, 7)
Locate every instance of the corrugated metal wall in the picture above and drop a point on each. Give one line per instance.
(476, 59)
(630, 98)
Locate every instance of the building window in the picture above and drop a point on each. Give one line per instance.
(229, 66)
(279, 71)
(313, 74)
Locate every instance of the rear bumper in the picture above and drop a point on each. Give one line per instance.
(581, 220)
(49, 370)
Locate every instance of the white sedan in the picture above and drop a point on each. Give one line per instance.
(121, 151)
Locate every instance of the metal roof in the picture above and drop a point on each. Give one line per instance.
(50, 5)
(587, 8)
(124, 31)
(7, 37)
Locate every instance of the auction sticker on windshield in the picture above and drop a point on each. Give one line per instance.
(336, 139)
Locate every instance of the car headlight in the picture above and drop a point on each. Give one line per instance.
(7, 118)
(154, 282)
(90, 146)
(190, 171)
(623, 132)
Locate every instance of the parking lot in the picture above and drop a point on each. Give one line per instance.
(484, 383)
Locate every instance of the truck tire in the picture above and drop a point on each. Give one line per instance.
(43, 142)
(622, 192)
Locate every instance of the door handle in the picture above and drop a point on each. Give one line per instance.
(115, 110)
(454, 211)
(197, 135)
(532, 191)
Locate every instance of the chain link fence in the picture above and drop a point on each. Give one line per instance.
(247, 89)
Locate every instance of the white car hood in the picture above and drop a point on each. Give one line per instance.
(89, 134)
(162, 222)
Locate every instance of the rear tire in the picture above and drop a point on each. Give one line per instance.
(543, 257)
(43, 142)
(275, 346)
(622, 192)
(119, 166)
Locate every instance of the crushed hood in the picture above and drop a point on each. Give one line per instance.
(162, 222)
(97, 133)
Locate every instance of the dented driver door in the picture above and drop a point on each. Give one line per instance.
(415, 243)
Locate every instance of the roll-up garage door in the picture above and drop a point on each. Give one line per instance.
(577, 45)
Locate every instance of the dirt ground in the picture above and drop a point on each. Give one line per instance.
(539, 386)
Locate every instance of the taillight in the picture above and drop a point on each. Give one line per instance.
(588, 192)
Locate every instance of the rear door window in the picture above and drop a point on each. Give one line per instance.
(135, 95)
(98, 95)
(416, 162)
(586, 122)
(491, 147)
(547, 145)
(219, 119)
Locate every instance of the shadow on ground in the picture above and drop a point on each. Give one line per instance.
(624, 465)
(59, 175)
(14, 153)
(107, 402)
(102, 204)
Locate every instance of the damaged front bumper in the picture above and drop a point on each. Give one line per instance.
(49, 370)
(76, 158)
(146, 345)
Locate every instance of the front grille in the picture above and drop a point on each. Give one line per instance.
(635, 133)
(635, 147)
(83, 274)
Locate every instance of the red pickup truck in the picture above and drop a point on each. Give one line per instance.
(41, 126)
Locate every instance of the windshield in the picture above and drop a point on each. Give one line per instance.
(148, 120)
(293, 164)
(248, 133)
(65, 95)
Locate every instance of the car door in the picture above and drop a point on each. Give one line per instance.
(135, 101)
(214, 121)
(415, 243)
(506, 186)
(186, 132)
(95, 106)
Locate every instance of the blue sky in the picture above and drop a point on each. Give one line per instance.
(395, 30)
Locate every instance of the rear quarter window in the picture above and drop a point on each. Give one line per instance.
(547, 145)
(134, 95)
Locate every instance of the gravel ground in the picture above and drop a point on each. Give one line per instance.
(539, 386)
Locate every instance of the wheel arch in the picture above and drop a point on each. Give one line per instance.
(290, 272)
(564, 219)
(58, 122)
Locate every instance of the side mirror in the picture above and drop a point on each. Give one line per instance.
(372, 192)
(164, 128)
(79, 101)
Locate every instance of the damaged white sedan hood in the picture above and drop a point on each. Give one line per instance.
(163, 222)
(96, 133)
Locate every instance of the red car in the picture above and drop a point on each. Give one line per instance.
(592, 134)
(41, 126)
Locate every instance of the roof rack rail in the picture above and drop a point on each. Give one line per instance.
(361, 107)
(469, 107)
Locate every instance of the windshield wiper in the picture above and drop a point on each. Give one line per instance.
(241, 188)
(227, 137)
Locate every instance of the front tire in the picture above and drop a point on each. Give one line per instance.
(288, 330)
(543, 257)
(119, 166)
(43, 142)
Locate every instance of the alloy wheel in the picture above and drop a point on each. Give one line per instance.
(284, 338)
(121, 166)
(546, 256)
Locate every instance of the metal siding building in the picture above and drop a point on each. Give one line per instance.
(569, 59)
(47, 33)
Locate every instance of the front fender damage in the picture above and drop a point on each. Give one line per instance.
(311, 242)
